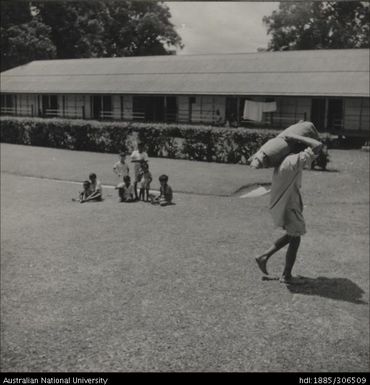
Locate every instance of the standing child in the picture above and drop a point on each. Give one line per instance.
(136, 157)
(121, 168)
(126, 190)
(286, 205)
(165, 192)
(145, 180)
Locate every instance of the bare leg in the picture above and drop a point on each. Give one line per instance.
(135, 188)
(290, 257)
(263, 258)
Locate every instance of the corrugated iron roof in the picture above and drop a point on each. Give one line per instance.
(314, 73)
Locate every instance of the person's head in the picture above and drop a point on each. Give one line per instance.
(92, 177)
(86, 185)
(163, 179)
(122, 157)
(127, 180)
(140, 146)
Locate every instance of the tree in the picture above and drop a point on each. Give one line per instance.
(81, 29)
(23, 37)
(27, 42)
(318, 25)
(139, 28)
(77, 28)
(112, 28)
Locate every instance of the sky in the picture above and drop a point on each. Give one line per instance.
(220, 26)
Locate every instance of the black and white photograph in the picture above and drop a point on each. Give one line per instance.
(184, 189)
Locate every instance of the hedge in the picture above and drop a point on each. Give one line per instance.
(204, 143)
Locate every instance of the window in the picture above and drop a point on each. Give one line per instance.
(8, 103)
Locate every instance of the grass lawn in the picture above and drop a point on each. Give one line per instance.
(134, 287)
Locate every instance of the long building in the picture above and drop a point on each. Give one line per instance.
(264, 89)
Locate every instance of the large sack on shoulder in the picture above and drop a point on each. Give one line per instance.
(271, 154)
(306, 129)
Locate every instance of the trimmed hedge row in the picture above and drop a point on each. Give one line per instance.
(204, 143)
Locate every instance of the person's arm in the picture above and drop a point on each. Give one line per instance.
(256, 160)
(115, 170)
(97, 193)
(314, 144)
(94, 195)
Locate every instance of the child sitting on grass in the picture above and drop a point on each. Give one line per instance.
(90, 191)
(96, 188)
(85, 193)
(144, 181)
(166, 195)
(126, 190)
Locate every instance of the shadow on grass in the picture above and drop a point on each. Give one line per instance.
(341, 289)
(326, 170)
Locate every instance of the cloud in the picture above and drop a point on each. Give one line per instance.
(221, 27)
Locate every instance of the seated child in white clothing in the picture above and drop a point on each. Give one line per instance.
(86, 192)
(92, 190)
(126, 191)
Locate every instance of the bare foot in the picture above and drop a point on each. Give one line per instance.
(292, 280)
(261, 262)
(270, 278)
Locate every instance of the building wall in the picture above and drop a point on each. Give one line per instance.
(183, 108)
(116, 107)
(292, 109)
(127, 107)
(74, 105)
(203, 110)
(26, 104)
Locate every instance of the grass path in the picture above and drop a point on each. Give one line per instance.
(115, 287)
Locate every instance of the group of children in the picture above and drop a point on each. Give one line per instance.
(128, 192)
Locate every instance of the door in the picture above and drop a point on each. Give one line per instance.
(107, 107)
(96, 106)
(335, 114)
(171, 109)
(154, 109)
(50, 105)
(148, 108)
(318, 113)
(231, 111)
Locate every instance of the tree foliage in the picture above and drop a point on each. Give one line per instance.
(318, 25)
(64, 30)
(23, 36)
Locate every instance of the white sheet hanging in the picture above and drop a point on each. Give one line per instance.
(254, 110)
